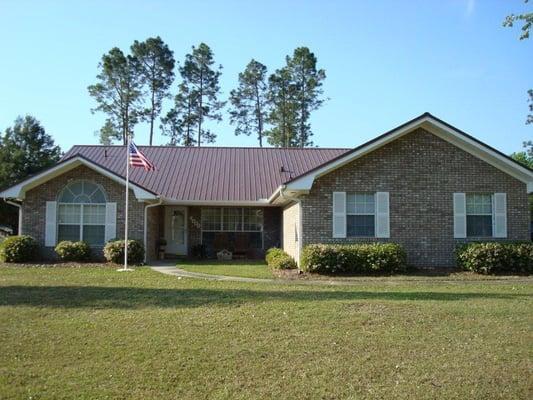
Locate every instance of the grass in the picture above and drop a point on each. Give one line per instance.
(246, 269)
(93, 333)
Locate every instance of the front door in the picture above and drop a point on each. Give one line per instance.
(176, 230)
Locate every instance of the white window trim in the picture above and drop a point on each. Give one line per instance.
(491, 214)
(374, 214)
(81, 223)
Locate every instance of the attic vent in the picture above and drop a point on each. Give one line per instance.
(105, 153)
(282, 169)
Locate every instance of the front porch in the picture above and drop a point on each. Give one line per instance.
(181, 231)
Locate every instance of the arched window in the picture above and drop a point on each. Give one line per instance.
(81, 213)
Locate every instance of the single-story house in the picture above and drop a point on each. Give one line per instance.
(425, 185)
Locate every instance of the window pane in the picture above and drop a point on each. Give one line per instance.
(69, 214)
(232, 219)
(68, 232)
(66, 196)
(253, 219)
(350, 203)
(360, 225)
(479, 225)
(360, 203)
(211, 219)
(94, 214)
(82, 192)
(76, 188)
(98, 197)
(94, 234)
(478, 204)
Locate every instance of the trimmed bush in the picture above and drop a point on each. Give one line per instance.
(365, 258)
(114, 252)
(272, 253)
(278, 259)
(494, 257)
(18, 249)
(73, 251)
(283, 261)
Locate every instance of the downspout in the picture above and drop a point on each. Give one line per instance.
(160, 201)
(300, 222)
(19, 206)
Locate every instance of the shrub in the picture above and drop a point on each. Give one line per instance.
(283, 261)
(114, 252)
(493, 257)
(18, 249)
(272, 253)
(73, 251)
(365, 258)
(278, 259)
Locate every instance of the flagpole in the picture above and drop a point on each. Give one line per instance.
(127, 206)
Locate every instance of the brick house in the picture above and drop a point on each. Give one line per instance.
(425, 184)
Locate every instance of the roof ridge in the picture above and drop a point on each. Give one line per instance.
(217, 147)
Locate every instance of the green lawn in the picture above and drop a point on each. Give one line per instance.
(94, 333)
(247, 269)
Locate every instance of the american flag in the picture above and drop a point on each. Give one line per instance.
(138, 159)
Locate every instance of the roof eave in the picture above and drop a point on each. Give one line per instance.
(19, 190)
(433, 125)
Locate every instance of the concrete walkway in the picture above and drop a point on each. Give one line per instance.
(171, 269)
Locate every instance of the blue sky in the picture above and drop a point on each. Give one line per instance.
(386, 61)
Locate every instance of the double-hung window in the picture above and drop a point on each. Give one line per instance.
(360, 215)
(82, 213)
(479, 215)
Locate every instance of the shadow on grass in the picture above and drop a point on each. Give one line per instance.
(132, 298)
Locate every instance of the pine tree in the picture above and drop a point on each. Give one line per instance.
(249, 101)
(282, 115)
(294, 92)
(201, 78)
(181, 120)
(307, 80)
(154, 63)
(118, 92)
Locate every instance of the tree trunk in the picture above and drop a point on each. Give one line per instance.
(259, 116)
(302, 116)
(152, 116)
(200, 115)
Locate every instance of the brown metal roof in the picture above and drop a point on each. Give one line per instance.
(211, 173)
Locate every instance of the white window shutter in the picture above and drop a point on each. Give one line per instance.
(339, 214)
(50, 231)
(382, 215)
(459, 215)
(499, 215)
(110, 221)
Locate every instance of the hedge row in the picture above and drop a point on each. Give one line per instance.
(278, 259)
(19, 249)
(493, 258)
(367, 258)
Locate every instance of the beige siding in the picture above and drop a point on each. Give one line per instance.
(291, 229)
